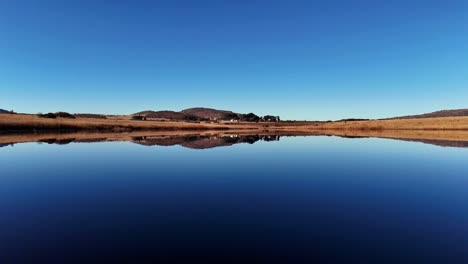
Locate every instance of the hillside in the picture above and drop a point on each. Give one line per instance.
(203, 114)
(97, 116)
(169, 115)
(209, 113)
(143, 113)
(442, 113)
(4, 111)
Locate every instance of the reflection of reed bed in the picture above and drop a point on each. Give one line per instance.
(448, 135)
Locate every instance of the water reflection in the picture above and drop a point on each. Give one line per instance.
(200, 140)
(203, 141)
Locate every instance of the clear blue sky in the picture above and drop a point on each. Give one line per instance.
(298, 59)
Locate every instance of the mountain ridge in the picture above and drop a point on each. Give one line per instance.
(165, 114)
(435, 114)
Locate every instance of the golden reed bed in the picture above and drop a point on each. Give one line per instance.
(33, 123)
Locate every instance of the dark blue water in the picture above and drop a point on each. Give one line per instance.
(297, 200)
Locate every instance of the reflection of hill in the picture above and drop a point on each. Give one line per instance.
(157, 141)
(201, 141)
(205, 143)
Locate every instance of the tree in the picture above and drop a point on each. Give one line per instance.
(250, 117)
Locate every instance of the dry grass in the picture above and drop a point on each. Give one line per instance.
(33, 123)
(11, 123)
(443, 123)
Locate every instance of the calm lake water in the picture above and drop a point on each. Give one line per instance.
(296, 200)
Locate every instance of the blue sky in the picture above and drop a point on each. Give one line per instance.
(297, 59)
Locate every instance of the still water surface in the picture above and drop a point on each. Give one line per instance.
(296, 200)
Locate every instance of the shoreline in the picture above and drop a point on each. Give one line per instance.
(24, 126)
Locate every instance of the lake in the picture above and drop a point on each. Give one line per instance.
(235, 199)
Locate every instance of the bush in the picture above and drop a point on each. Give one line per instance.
(141, 118)
(191, 118)
(97, 116)
(48, 115)
(231, 116)
(250, 117)
(352, 120)
(64, 115)
(271, 118)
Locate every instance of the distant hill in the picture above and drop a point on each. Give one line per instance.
(209, 113)
(143, 113)
(202, 113)
(170, 115)
(96, 116)
(4, 111)
(442, 113)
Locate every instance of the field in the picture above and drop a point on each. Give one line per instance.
(441, 123)
(21, 123)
